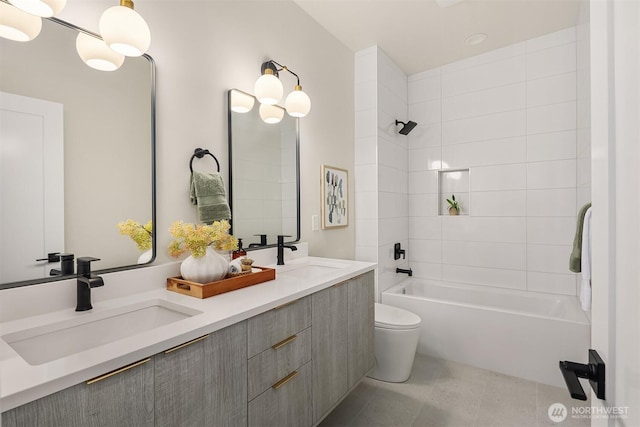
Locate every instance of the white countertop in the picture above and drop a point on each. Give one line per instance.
(21, 382)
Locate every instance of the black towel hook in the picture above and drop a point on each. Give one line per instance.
(200, 153)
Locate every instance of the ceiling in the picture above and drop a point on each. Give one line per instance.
(419, 35)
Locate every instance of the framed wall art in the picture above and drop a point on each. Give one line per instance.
(335, 197)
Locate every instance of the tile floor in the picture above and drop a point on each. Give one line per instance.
(443, 393)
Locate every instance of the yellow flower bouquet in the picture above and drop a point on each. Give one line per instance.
(141, 234)
(196, 238)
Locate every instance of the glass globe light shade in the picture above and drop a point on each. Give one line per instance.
(298, 103)
(96, 54)
(44, 8)
(241, 102)
(125, 31)
(271, 114)
(18, 25)
(268, 88)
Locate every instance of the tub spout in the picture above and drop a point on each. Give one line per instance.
(405, 271)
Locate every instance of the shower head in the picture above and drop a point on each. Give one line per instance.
(407, 127)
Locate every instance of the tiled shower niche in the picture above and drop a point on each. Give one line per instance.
(450, 182)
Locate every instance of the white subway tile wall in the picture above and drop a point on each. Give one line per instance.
(510, 116)
(518, 119)
(365, 172)
(382, 164)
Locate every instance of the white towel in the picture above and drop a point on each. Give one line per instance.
(585, 286)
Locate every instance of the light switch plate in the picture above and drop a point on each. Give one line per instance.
(315, 220)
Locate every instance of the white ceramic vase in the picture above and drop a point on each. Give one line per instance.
(209, 268)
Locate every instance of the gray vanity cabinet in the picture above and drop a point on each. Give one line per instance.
(342, 340)
(200, 383)
(225, 372)
(123, 398)
(203, 382)
(288, 366)
(361, 327)
(286, 404)
(180, 385)
(279, 375)
(330, 347)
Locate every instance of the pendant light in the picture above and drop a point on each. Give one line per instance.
(298, 103)
(96, 54)
(18, 25)
(268, 90)
(268, 87)
(271, 114)
(124, 30)
(43, 8)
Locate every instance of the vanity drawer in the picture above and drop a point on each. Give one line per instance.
(275, 325)
(286, 403)
(278, 361)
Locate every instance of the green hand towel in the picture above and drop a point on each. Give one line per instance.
(207, 192)
(575, 260)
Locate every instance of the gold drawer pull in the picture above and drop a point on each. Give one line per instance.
(178, 347)
(284, 342)
(284, 380)
(285, 304)
(118, 371)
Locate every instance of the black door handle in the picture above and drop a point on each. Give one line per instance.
(594, 371)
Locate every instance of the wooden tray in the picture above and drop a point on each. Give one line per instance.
(206, 290)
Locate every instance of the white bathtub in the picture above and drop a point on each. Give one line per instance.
(512, 332)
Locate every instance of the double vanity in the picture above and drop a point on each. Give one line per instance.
(284, 352)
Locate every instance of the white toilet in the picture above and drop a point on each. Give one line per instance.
(396, 337)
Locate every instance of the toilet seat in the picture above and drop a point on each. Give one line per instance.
(389, 317)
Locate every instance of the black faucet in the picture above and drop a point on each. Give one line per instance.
(85, 282)
(66, 263)
(281, 247)
(405, 271)
(263, 241)
(66, 266)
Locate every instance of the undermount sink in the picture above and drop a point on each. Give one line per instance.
(310, 269)
(91, 329)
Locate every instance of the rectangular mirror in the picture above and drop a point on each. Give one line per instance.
(264, 170)
(77, 151)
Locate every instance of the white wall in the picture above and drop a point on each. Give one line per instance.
(510, 117)
(381, 163)
(202, 49)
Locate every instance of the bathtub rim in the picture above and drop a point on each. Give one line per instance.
(570, 299)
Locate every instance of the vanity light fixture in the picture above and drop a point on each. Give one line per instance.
(96, 54)
(297, 103)
(124, 30)
(268, 87)
(271, 114)
(241, 102)
(268, 90)
(43, 8)
(17, 25)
